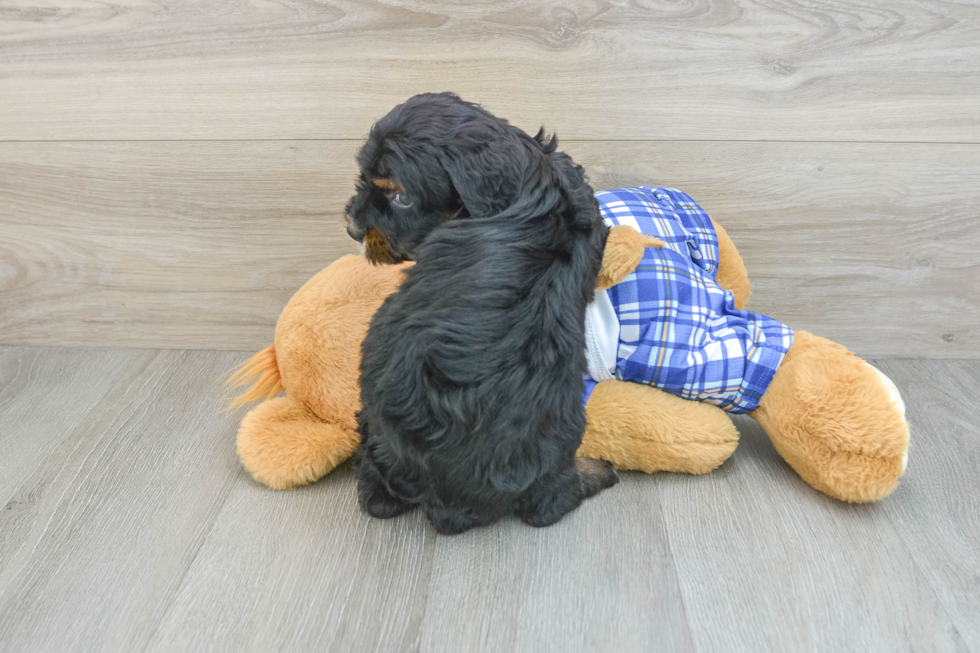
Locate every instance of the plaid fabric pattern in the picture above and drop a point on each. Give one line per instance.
(679, 330)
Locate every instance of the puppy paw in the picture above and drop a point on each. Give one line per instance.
(451, 521)
(595, 476)
(375, 497)
(543, 517)
(382, 506)
(548, 502)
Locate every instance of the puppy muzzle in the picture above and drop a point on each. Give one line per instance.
(354, 232)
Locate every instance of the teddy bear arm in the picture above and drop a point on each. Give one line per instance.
(639, 427)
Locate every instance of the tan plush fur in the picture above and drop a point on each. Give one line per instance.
(624, 249)
(830, 417)
(826, 411)
(295, 440)
(319, 334)
(668, 434)
(259, 375)
(284, 444)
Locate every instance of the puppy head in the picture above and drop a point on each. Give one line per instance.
(403, 192)
(436, 158)
(398, 202)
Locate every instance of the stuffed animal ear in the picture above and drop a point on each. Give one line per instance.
(624, 249)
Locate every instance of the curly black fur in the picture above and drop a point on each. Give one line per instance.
(471, 377)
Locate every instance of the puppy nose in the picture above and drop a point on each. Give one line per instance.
(354, 232)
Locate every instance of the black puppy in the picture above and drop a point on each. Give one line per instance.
(471, 377)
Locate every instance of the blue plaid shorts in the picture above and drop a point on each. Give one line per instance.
(678, 329)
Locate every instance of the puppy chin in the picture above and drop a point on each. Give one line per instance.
(377, 249)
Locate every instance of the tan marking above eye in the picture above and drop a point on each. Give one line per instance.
(389, 184)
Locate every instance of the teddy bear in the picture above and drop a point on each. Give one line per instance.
(835, 419)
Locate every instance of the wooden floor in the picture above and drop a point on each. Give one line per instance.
(129, 525)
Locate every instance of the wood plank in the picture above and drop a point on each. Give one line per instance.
(767, 563)
(306, 570)
(44, 394)
(199, 245)
(602, 579)
(104, 529)
(936, 509)
(896, 70)
(164, 245)
(302, 571)
(143, 534)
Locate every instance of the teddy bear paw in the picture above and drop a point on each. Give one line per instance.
(896, 398)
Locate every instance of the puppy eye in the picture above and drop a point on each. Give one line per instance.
(400, 201)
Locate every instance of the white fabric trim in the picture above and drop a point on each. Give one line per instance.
(601, 337)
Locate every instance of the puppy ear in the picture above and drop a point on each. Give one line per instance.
(475, 176)
(487, 166)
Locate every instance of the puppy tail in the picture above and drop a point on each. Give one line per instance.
(260, 373)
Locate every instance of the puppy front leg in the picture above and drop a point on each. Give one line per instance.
(373, 493)
(595, 475)
(554, 496)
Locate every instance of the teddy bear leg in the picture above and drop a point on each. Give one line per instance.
(838, 421)
(642, 428)
(284, 444)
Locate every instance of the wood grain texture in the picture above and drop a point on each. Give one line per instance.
(602, 579)
(164, 245)
(44, 393)
(98, 537)
(138, 531)
(937, 507)
(200, 244)
(302, 571)
(897, 70)
(767, 562)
